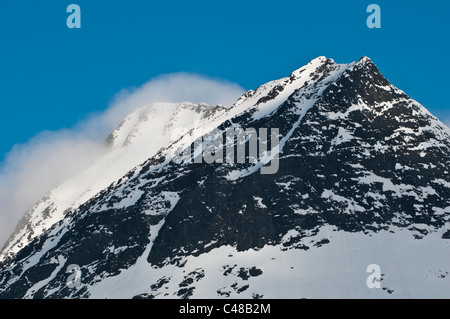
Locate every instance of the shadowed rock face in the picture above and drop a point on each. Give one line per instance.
(363, 157)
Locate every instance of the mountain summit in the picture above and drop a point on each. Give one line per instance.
(362, 179)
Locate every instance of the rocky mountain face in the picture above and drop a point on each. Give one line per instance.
(360, 176)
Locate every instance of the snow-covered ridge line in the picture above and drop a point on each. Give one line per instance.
(133, 142)
(362, 166)
(139, 137)
(315, 89)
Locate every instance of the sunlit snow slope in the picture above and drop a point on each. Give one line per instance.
(363, 179)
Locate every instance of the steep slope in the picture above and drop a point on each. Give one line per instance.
(362, 178)
(137, 138)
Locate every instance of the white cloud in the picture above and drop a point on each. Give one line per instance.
(32, 169)
(176, 87)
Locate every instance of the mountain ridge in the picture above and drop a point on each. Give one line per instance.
(358, 159)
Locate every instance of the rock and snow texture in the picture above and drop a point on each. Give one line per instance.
(363, 179)
(140, 136)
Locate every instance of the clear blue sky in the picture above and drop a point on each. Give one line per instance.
(52, 77)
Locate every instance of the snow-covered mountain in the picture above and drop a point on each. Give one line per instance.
(363, 178)
(140, 136)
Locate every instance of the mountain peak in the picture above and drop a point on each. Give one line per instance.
(311, 65)
(362, 170)
(365, 61)
(319, 59)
